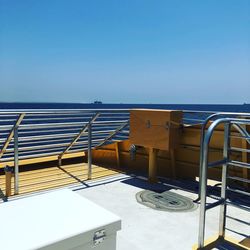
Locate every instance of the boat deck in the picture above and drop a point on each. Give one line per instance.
(37, 180)
(143, 228)
(149, 229)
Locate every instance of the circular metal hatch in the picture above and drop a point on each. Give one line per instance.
(165, 201)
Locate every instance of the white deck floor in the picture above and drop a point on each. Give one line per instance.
(146, 229)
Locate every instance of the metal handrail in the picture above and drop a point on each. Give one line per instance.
(56, 132)
(70, 145)
(202, 137)
(41, 125)
(228, 122)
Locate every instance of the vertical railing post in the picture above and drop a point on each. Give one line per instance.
(89, 151)
(223, 207)
(16, 166)
(203, 192)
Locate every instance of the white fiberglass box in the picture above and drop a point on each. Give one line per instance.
(59, 220)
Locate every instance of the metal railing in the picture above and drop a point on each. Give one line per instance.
(26, 134)
(35, 133)
(226, 162)
(204, 125)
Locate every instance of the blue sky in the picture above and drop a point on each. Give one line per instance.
(133, 51)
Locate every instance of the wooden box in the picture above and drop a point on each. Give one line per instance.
(159, 129)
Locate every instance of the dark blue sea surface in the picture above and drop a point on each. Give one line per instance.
(198, 107)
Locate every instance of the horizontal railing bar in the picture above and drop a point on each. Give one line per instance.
(43, 141)
(93, 137)
(47, 146)
(124, 132)
(240, 137)
(108, 122)
(102, 131)
(76, 115)
(97, 132)
(30, 152)
(77, 150)
(239, 164)
(31, 148)
(235, 204)
(66, 135)
(7, 120)
(121, 136)
(102, 126)
(57, 111)
(38, 137)
(58, 125)
(11, 135)
(238, 179)
(86, 142)
(106, 116)
(5, 127)
(5, 133)
(238, 220)
(31, 156)
(217, 163)
(108, 126)
(243, 122)
(193, 119)
(240, 149)
(9, 115)
(216, 112)
(35, 128)
(57, 118)
(60, 115)
(3, 139)
(47, 131)
(54, 125)
(238, 191)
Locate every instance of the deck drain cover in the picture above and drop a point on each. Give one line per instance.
(166, 201)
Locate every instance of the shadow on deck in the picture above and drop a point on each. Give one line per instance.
(40, 179)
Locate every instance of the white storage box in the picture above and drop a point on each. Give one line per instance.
(57, 220)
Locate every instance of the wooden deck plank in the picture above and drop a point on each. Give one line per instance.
(60, 183)
(73, 168)
(58, 177)
(55, 177)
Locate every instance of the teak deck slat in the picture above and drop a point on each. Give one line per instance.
(55, 177)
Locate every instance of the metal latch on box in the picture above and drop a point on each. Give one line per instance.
(99, 237)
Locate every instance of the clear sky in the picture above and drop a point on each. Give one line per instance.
(125, 51)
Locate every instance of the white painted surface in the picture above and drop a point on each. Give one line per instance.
(144, 228)
(56, 220)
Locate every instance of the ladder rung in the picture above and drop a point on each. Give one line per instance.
(240, 149)
(217, 163)
(235, 204)
(238, 191)
(238, 179)
(239, 164)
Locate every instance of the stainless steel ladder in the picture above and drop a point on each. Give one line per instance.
(226, 162)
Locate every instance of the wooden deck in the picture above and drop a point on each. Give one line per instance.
(54, 177)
